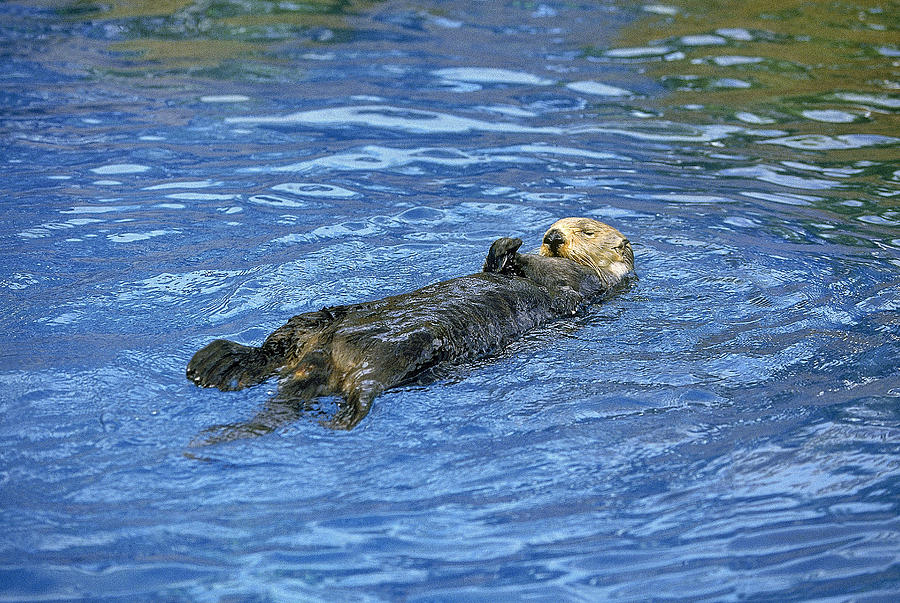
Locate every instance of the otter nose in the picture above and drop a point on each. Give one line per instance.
(553, 239)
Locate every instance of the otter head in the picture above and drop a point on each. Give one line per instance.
(590, 243)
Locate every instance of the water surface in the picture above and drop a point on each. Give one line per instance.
(725, 429)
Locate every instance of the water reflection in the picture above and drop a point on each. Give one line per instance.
(762, 65)
(212, 39)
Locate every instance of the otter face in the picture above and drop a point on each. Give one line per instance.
(590, 243)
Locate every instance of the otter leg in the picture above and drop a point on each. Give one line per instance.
(351, 411)
(300, 384)
(277, 412)
(230, 366)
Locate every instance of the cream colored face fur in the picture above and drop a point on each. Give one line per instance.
(591, 243)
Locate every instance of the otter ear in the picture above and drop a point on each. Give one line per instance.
(501, 258)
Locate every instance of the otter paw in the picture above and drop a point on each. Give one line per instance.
(501, 258)
(350, 413)
(566, 301)
(226, 365)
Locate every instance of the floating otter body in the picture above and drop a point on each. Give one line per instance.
(359, 350)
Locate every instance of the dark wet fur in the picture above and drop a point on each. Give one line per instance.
(357, 351)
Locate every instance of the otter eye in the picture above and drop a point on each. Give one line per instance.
(588, 233)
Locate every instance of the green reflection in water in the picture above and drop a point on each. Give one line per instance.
(227, 39)
(825, 74)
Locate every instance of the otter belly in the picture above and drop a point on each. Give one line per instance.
(390, 341)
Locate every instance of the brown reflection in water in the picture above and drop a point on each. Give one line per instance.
(189, 36)
(820, 70)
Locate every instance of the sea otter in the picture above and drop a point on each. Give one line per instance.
(357, 351)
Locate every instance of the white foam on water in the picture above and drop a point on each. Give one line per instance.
(731, 60)
(491, 75)
(432, 122)
(821, 142)
(597, 88)
(203, 282)
(552, 197)
(393, 118)
(498, 190)
(637, 52)
(739, 222)
(661, 9)
(121, 168)
(730, 82)
(692, 198)
(830, 116)
(319, 56)
(274, 201)
(752, 118)
(63, 319)
(224, 98)
(132, 237)
(98, 209)
(190, 184)
(870, 99)
(772, 175)
(375, 158)
(831, 171)
(871, 219)
(445, 22)
(735, 33)
(783, 198)
(547, 149)
(203, 196)
(687, 133)
(315, 189)
(703, 40)
(46, 229)
(616, 213)
(508, 110)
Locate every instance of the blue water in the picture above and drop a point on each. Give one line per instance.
(727, 428)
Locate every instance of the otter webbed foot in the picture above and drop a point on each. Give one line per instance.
(228, 366)
(275, 414)
(502, 257)
(350, 412)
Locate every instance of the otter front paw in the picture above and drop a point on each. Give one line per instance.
(501, 258)
(566, 301)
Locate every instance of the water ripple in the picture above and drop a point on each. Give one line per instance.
(724, 428)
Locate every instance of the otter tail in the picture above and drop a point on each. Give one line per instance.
(229, 366)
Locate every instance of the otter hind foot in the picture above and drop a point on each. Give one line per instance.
(350, 412)
(228, 366)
